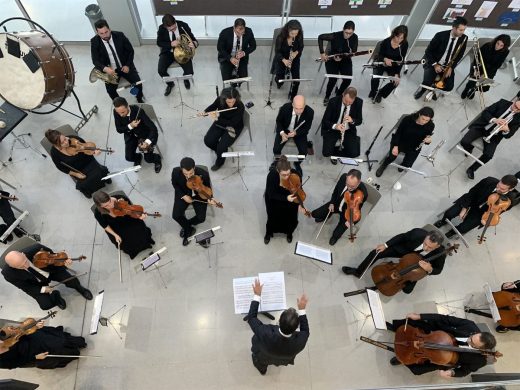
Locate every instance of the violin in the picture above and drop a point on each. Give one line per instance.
(89, 148)
(44, 258)
(8, 197)
(122, 208)
(497, 204)
(195, 183)
(508, 304)
(354, 200)
(28, 326)
(144, 146)
(294, 185)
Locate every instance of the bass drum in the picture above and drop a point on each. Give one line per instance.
(33, 71)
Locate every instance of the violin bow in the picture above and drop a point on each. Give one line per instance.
(120, 269)
(217, 204)
(74, 356)
(72, 169)
(66, 280)
(8, 197)
(323, 224)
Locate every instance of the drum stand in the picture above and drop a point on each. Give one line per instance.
(25, 145)
(83, 119)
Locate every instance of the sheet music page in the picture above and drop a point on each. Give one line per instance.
(273, 292)
(313, 252)
(243, 293)
(492, 304)
(96, 312)
(378, 315)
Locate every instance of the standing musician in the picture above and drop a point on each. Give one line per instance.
(427, 244)
(502, 116)
(288, 51)
(340, 120)
(139, 132)
(440, 52)
(7, 215)
(168, 38)
(86, 171)
(234, 46)
(471, 206)
(127, 232)
(466, 334)
(184, 196)
(22, 273)
(413, 132)
(392, 50)
(341, 42)
(227, 125)
(349, 182)
(293, 121)
(494, 54)
(113, 54)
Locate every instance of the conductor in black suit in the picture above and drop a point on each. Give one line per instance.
(20, 272)
(440, 51)
(492, 117)
(427, 244)
(112, 53)
(168, 38)
(466, 333)
(139, 131)
(471, 206)
(277, 344)
(342, 115)
(234, 46)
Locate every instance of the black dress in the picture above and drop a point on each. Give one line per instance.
(87, 164)
(47, 339)
(135, 234)
(282, 215)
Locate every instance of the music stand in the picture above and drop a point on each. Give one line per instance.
(292, 81)
(152, 260)
(234, 82)
(237, 155)
(268, 102)
(313, 252)
(459, 234)
(133, 186)
(397, 185)
(14, 225)
(97, 319)
(181, 104)
(376, 311)
(203, 237)
(333, 76)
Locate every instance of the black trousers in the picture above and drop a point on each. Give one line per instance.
(471, 221)
(295, 74)
(6, 212)
(489, 148)
(343, 67)
(179, 213)
(408, 160)
(350, 147)
(131, 154)
(226, 70)
(132, 77)
(389, 86)
(166, 59)
(320, 214)
(430, 75)
(219, 140)
(48, 301)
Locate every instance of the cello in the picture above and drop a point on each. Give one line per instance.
(354, 201)
(294, 185)
(508, 304)
(497, 204)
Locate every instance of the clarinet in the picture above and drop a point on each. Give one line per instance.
(234, 73)
(291, 58)
(344, 123)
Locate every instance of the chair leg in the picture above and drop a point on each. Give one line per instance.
(250, 135)
(322, 84)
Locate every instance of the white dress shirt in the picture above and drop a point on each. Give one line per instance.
(110, 55)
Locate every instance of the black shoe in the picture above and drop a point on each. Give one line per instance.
(86, 293)
(109, 181)
(18, 232)
(216, 167)
(289, 238)
(440, 223)
(334, 161)
(349, 270)
(158, 166)
(168, 89)
(378, 99)
(138, 159)
(419, 93)
(464, 93)
(395, 362)
(390, 327)
(60, 302)
(371, 95)
(333, 240)
(325, 101)
(450, 234)
(185, 238)
(205, 243)
(140, 99)
(400, 169)
(181, 234)
(470, 173)
(267, 238)
(434, 96)
(501, 329)
(380, 170)
(187, 84)
(87, 195)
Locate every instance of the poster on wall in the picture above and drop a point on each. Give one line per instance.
(452, 13)
(355, 3)
(384, 2)
(462, 2)
(485, 9)
(508, 18)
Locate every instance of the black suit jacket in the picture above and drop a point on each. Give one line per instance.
(438, 45)
(478, 194)
(337, 194)
(179, 181)
(269, 346)
(163, 37)
(331, 115)
(283, 120)
(225, 44)
(145, 130)
(495, 111)
(123, 48)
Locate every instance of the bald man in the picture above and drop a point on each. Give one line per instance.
(290, 116)
(21, 272)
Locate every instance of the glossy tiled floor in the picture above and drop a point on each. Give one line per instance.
(186, 336)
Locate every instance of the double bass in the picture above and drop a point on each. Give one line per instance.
(354, 200)
(294, 185)
(497, 204)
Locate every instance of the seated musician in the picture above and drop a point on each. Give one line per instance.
(7, 215)
(348, 182)
(423, 242)
(513, 287)
(341, 42)
(296, 115)
(84, 168)
(139, 132)
(185, 196)
(21, 272)
(504, 115)
(466, 333)
(31, 350)
(392, 49)
(413, 132)
(471, 206)
(340, 120)
(227, 125)
(440, 51)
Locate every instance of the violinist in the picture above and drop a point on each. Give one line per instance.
(281, 204)
(130, 234)
(184, 196)
(471, 206)
(227, 125)
(466, 333)
(31, 350)
(420, 241)
(86, 171)
(22, 273)
(348, 183)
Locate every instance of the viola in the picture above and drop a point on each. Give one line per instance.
(122, 208)
(354, 201)
(89, 148)
(294, 185)
(195, 183)
(43, 259)
(14, 333)
(10, 197)
(508, 304)
(497, 204)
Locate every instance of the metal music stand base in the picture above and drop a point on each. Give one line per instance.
(365, 316)
(22, 141)
(134, 187)
(268, 102)
(448, 175)
(181, 104)
(157, 268)
(237, 170)
(105, 321)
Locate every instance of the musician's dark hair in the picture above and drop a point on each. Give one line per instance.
(488, 340)
(187, 163)
(425, 111)
(509, 180)
(435, 237)
(99, 197)
(350, 91)
(458, 21)
(3, 335)
(349, 25)
(168, 20)
(402, 29)
(101, 23)
(283, 164)
(291, 25)
(228, 93)
(53, 136)
(355, 172)
(505, 39)
(120, 101)
(239, 22)
(289, 321)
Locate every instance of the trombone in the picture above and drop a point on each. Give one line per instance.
(479, 64)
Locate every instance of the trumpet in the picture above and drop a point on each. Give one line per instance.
(202, 114)
(498, 128)
(394, 62)
(349, 54)
(431, 157)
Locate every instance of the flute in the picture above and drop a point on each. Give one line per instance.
(200, 115)
(349, 54)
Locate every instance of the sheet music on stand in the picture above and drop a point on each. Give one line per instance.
(96, 312)
(376, 308)
(291, 157)
(313, 252)
(238, 80)
(338, 76)
(238, 154)
(273, 292)
(492, 304)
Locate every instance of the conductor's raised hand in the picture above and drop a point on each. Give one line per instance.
(302, 302)
(257, 287)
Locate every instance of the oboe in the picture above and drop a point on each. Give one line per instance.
(292, 55)
(344, 123)
(234, 73)
(498, 128)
